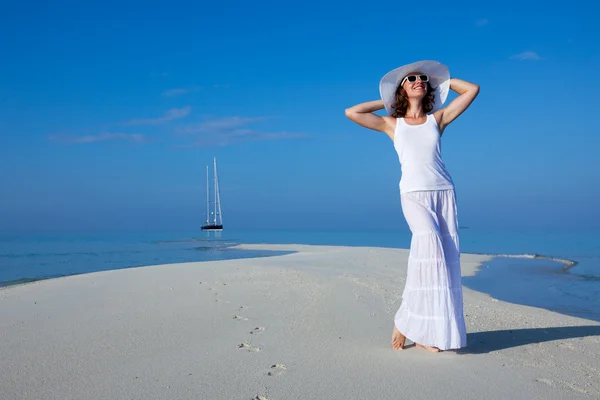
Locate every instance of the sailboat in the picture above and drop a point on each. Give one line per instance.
(217, 218)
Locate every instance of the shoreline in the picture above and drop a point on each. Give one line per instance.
(26, 281)
(568, 264)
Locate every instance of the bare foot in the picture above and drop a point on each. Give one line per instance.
(398, 339)
(428, 348)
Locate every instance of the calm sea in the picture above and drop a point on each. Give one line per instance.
(537, 282)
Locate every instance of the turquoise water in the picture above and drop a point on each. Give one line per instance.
(540, 283)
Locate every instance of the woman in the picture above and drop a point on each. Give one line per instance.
(431, 313)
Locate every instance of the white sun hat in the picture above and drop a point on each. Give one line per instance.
(439, 77)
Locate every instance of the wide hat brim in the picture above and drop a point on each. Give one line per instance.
(439, 79)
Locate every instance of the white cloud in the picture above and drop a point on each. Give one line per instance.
(102, 137)
(240, 136)
(215, 125)
(170, 115)
(230, 130)
(180, 91)
(526, 55)
(175, 92)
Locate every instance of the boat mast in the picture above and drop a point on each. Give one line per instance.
(207, 198)
(217, 195)
(215, 188)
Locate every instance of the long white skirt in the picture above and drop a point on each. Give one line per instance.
(431, 312)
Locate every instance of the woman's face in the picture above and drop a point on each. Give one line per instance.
(418, 86)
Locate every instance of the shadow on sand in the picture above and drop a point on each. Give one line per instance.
(485, 342)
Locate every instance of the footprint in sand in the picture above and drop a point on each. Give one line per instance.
(276, 369)
(257, 330)
(248, 347)
(546, 381)
(566, 346)
(240, 318)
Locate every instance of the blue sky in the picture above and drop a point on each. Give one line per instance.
(111, 110)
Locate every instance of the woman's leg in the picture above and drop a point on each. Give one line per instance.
(426, 315)
(448, 219)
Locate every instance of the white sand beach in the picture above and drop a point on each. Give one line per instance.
(314, 324)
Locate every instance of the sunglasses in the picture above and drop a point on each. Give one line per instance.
(413, 78)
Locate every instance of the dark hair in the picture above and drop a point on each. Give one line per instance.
(401, 104)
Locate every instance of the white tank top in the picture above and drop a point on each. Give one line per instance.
(418, 148)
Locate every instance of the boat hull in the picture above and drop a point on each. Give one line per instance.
(212, 227)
